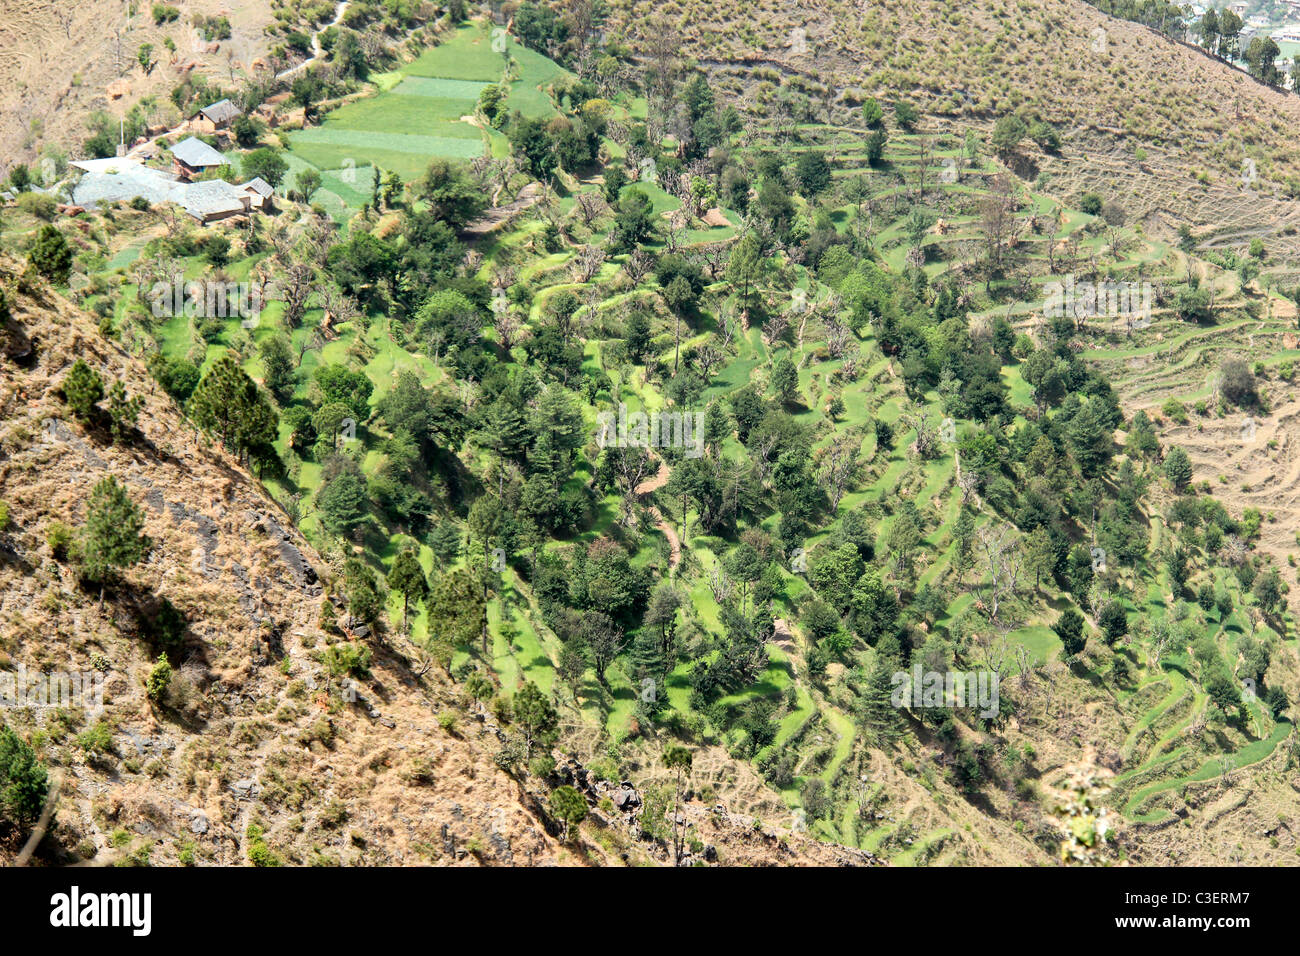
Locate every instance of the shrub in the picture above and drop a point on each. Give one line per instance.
(39, 205)
(160, 678)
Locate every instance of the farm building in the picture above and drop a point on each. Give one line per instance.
(214, 200)
(259, 191)
(193, 157)
(120, 180)
(217, 116)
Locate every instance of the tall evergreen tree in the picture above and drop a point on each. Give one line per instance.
(406, 577)
(112, 538)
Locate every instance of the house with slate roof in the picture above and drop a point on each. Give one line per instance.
(193, 157)
(218, 115)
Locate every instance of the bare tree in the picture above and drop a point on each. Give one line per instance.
(589, 206)
(588, 262)
(295, 288)
(997, 221)
(638, 264)
(506, 324)
(1002, 562)
(719, 583)
(839, 338)
(840, 467)
(927, 435)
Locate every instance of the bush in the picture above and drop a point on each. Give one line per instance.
(1237, 382)
(82, 389)
(51, 256)
(160, 678)
(259, 854)
(59, 537)
(39, 205)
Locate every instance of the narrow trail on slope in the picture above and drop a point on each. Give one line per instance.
(317, 51)
(649, 486)
(492, 218)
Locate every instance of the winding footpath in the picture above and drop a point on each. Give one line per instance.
(316, 50)
(663, 524)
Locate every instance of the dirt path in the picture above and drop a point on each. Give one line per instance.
(492, 218)
(663, 524)
(316, 51)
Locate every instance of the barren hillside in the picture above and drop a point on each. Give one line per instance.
(59, 61)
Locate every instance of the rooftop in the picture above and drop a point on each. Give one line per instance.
(198, 154)
(124, 181)
(222, 111)
(212, 198)
(258, 185)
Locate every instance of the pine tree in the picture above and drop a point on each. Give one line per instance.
(229, 404)
(1178, 468)
(24, 782)
(1040, 555)
(572, 666)
(278, 367)
(785, 380)
(51, 256)
(342, 503)
(677, 757)
(455, 611)
(82, 389)
(877, 709)
(123, 412)
(1069, 628)
(112, 536)
(535, 715)
(569, 805)
(407, 578)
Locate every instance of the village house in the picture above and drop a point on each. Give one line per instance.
(193, 157)
(259, 191)
(218, 115)
(214, 200)
(121, 180)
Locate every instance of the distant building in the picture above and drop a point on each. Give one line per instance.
(217, 116)
(259, 191)
(121, 180)
(194, 157)
(214, 200)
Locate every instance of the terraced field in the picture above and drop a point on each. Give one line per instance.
(422, 111)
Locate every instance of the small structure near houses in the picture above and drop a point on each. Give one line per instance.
(259, 191)
(194, 157)
(218, 115)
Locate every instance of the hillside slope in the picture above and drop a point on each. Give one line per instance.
(61, 61)
(254, 731)
(1111, 87)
